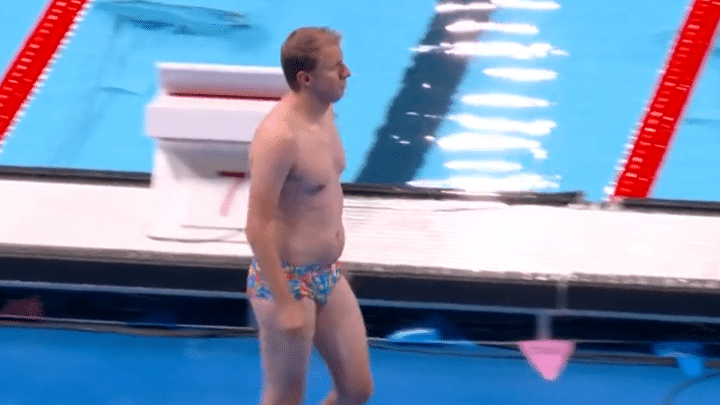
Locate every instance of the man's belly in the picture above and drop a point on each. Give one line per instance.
(312, 245)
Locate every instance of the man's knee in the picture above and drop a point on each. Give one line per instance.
(358, 393)
(291, 396)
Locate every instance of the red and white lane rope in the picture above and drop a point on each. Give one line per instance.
(36, 56)
(639, 169)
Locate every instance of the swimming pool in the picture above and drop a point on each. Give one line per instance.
(542, 97)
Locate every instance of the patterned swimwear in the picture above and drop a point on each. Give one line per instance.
(312, 281)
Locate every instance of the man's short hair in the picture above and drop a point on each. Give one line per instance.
(301, 50)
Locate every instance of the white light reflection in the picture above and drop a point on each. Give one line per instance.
(514, 50)
(452, 7)
(527, 4)
(494, 166)
(540, 154)
(522, 75)
(503, 100)
(474, 142)
(536, 127)
(518, 182)
(509, 28)
(425, 48)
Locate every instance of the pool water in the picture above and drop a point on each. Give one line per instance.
(545, 99)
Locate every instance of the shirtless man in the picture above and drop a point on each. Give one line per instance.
(295, 230)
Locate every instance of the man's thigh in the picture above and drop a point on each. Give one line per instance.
(284, 357)
(341, 339)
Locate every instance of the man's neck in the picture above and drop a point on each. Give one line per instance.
(310, 108)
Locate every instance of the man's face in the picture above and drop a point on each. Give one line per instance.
(329, 79)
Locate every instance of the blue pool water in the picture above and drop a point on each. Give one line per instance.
(67, 367)
(599, 63)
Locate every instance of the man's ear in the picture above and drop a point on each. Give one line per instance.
(302, 77)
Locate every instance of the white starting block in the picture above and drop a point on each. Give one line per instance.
(203, 120)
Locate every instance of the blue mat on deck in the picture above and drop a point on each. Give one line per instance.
(42, 366)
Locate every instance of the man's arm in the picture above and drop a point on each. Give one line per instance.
(273, 155)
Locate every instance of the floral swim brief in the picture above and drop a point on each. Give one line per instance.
(312, 281)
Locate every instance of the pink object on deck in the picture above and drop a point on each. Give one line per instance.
(28, 308)
(548, 356)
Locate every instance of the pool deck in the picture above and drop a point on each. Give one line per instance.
(522, 253)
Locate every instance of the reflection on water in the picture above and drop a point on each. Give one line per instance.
(507, 49)
(491, 139)
(183, 20)
(494, 4)
(488, 184)
(229, 26)
(496, 166)
(521, 74)
(503, 100)
(476, 142)
(427, 92)
(500, 124)
(469, 26)
(537, 5)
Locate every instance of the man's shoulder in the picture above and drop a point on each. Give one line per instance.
(273, 126)
(274, 135)
(277, 121)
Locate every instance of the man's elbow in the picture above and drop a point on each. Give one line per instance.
(258, 222)
(251, 231)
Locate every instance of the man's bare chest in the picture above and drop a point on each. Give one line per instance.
(320, 158)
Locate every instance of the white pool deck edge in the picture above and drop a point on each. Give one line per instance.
(469, 238)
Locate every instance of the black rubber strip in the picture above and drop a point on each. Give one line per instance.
(676, 206)
(78, 176)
